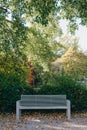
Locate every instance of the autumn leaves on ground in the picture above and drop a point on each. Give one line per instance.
(44, 121)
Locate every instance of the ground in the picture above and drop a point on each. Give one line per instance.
(43, 121)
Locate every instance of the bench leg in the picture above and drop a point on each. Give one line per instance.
(18, 111)
(68, 111)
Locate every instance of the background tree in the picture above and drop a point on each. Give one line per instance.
(74, 63)
(67, 40)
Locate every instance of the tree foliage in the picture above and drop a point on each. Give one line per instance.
(39, 40)
(75, 63)
(12, 41)
(41, 44)
(40, 9)
(67, 40)
(73, 10)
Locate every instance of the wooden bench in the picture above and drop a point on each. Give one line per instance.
(42, 102)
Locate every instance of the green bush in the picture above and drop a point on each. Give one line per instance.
(11, 88)
(76, 93)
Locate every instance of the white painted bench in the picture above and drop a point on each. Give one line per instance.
(43, 102)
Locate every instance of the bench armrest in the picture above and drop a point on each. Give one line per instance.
(68, 104)
(18, 103)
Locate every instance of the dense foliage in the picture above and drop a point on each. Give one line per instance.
(11, 88)
(78, 9)
(63, 84)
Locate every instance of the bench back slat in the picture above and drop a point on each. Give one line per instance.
(45, 97)
(43, 100)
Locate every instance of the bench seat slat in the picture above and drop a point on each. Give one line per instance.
(43, 107)
(22, 103)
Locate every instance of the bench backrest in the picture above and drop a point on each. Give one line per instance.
(43, 100)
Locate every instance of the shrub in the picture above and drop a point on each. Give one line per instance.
(11, 88)
(76, 93)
